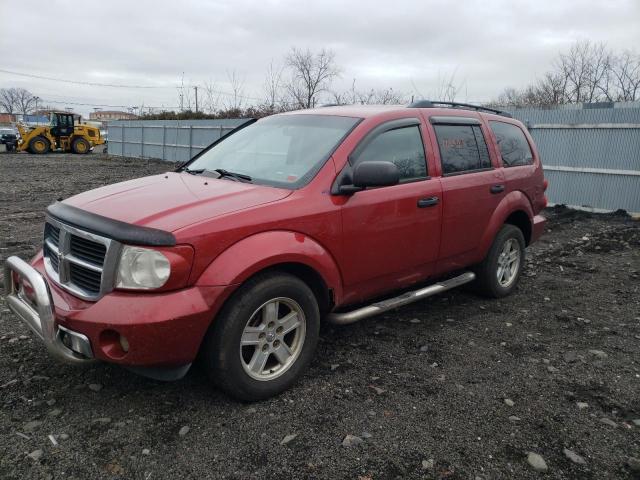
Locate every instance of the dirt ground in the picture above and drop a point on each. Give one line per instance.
(455, 387)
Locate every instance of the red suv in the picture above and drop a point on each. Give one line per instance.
(336, 213)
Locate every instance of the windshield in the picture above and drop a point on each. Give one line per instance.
(283, 151)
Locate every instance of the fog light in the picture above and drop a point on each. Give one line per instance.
(113, 345)
(124, 343)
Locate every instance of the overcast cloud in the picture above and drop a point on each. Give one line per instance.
(406, 45)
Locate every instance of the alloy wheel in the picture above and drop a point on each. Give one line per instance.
(508, 262)
(272, 339)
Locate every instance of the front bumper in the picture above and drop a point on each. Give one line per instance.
(163, 330)
(38, 314)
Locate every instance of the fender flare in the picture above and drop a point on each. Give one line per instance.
(266, 249)
(511, 203)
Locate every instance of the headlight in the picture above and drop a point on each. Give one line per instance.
(142, 268)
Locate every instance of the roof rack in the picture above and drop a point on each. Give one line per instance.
(464, 106)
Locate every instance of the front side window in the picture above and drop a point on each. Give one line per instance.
(462, 148)
(283, 150)
(514, 148)
(401, 146)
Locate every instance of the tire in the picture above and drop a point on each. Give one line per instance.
(510, 242)
(80, 146)
(39, 145)
(253, 316)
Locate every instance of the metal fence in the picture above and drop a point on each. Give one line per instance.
(171, 140)
(591, 156)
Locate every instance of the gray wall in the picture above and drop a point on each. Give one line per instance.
(171, 140)
(591, 156)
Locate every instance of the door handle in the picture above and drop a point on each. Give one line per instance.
(496, 188)
(428, 202)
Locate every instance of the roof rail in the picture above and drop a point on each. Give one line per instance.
(464, 106)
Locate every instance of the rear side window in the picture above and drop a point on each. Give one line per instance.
(462, 148)
(401, 146)
(513, 145)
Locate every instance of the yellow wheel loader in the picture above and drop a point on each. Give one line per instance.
(62, 134)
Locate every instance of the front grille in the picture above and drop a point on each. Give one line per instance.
(88, 280)
(78, 261)
(87, 250)
(52, 256)
(52, 234)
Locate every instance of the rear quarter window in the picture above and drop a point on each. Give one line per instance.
(512, 144)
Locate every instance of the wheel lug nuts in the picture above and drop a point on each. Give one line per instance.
(279, 330)
(262, 335)
(271, 325)
(265, 348)
(276, 343)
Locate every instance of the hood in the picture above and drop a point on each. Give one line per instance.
(174, 200)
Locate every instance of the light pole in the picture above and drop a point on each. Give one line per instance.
(36, 112)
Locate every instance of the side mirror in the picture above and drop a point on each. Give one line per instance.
(375, 174)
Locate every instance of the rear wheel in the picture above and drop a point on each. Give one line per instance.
(80, 146)
(264, 338)
(498, 274)
(39, 145)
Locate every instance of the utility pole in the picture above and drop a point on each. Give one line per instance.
(196, 89)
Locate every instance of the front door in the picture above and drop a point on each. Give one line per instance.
(391, 234)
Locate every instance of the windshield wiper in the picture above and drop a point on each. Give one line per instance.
(238, 176)
(241, 177)
(193, 172)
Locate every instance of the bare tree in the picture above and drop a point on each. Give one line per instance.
(235, 98)
(17, 100)
(587, 72)
(448, 88)
(625, 76)
(211, 97)
(311, 74)
(184, 95)
(584, 68)
(8, 99)
(348, 97)
(367, 97)
(389, 97)
(273, 88)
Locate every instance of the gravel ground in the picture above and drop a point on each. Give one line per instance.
(455, 387)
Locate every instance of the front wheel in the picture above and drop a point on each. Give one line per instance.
(264, 338)
(499, 273)
(39, 145)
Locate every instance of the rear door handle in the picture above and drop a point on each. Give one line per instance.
(497, 188)
(428, 202)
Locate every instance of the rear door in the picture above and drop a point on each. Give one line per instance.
(392, 234)
(472, 186)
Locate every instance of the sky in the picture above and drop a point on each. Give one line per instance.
(408, 45)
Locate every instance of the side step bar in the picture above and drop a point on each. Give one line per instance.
(404, 299)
